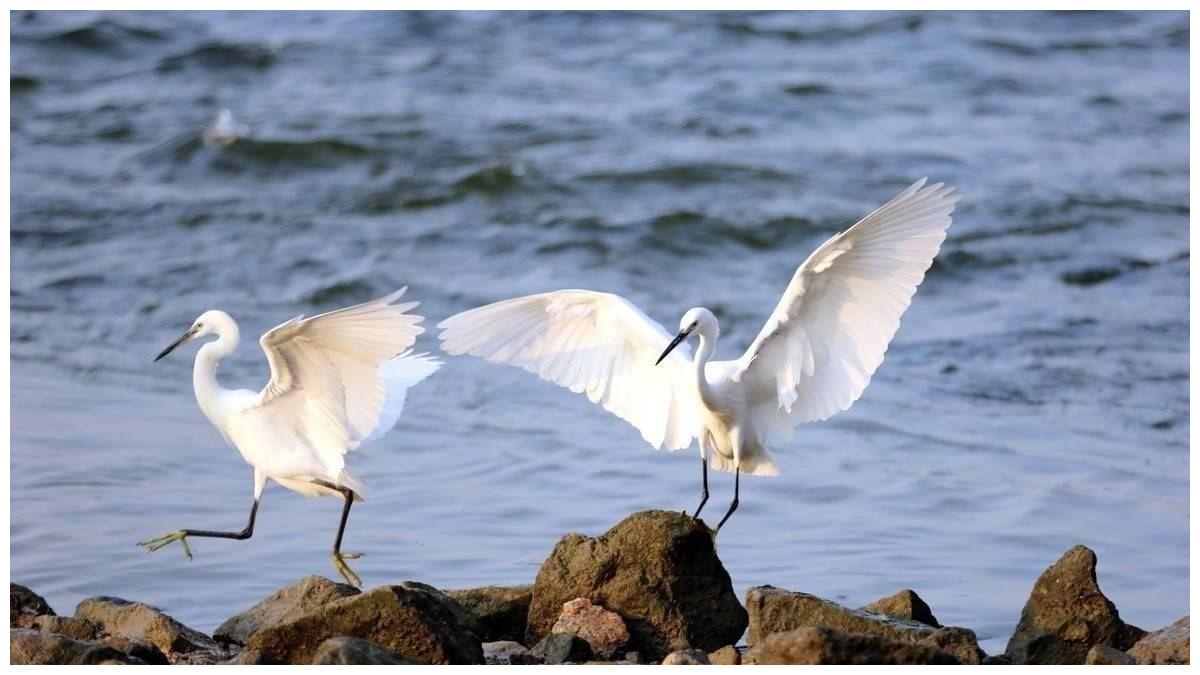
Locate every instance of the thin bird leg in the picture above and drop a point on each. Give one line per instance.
(737, 473)
(703, 490)
(155, 543)
(339, 558)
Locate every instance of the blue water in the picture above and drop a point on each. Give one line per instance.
(1035, 397)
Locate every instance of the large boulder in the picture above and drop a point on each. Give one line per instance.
(814, 645)
(118, 617)
(906, 605)
(24, 605)
(409, 621)
(1067, 614)
(301, 597)
(30, 647)
(659, 570)
(349, 651)
(775, 610)
(602, 629)
(500, 611)
(1165, 646)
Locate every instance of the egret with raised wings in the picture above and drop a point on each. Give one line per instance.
(813, 358)
(338, 380)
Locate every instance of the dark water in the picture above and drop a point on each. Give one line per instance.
(1035, 397)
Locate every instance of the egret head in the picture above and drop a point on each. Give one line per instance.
(212, 321)
(695, 320)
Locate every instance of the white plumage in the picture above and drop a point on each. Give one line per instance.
(338, 379)
(813, 358)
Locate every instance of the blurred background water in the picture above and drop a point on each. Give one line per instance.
(1035, 397)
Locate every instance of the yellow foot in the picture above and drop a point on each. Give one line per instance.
(154, 543)
(339, 563)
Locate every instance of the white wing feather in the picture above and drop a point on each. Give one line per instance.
(817, 352)
(594, 343)
(331, 372)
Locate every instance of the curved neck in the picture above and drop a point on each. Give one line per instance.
(708, 345)
(204, 371)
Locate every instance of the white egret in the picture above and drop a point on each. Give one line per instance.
(812, 359)
(338, 380)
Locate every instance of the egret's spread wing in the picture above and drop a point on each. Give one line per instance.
(598, 343)
(332, 371)
(817, 352)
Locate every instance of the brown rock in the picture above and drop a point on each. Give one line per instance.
(411, 622)
(813, 645)
(726, 656)
(1066, 614)
(960, 642)
(115, 616)
(603, 630)
(24, 605)
(558, 648)
(348, 651)
(686, 657)
(137, 648)
(29, 647)
(500, 611)
(76, 629)
(301, 597)
(906, 605)
(1103, 655)
(775, 610)
(658, 570)
(1167, 645)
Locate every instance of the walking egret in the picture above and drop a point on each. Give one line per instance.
(338, 380)
(812, 359)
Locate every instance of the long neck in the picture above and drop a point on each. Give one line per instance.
(204, 372)
(708, 345)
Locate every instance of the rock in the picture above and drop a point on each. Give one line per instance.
(301, 597)
(997, 660)
(251, 657)
(726, 656)
(562, 648)
(29, 647)
(658, 570)
(115, 616)
(349, 651)
(464, 616)
(603, 630)
(813, 645)
(906, 605)
(1066, 614)
(1103, 655)
(775, 610)
(24, 605)
(686, 657)
(508, 653)
(137, 648)
(500, 611)
(76, 629)
(1167, 645)
(411, 622)
(960, 642)
(633, 657)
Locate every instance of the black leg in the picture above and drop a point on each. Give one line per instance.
(339, 558)
(337, 543)
(737, 474)
(155, 543)
(704, 489)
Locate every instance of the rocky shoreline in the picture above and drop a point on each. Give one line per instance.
(650, 590)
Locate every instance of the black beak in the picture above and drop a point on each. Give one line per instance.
(674, 343)
(182, 339)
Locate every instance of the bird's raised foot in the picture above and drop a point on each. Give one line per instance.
(154, 543)
(339, 563)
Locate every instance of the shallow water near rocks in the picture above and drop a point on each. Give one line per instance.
(1035, 397)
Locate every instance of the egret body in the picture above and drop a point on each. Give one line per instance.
(813, 358)
(338, 380)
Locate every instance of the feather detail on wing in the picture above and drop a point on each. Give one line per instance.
(818, 350)
(594, 343)
(336, 373)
